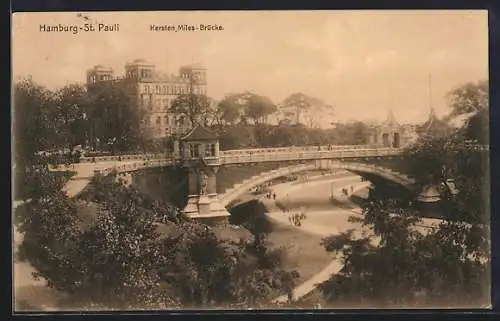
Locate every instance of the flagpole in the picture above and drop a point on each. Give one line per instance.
(430, 91)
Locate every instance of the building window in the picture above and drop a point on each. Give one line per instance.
(167, 120)
(158, 120)
(193, 150)
(211, 150)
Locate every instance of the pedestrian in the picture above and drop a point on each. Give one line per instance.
(274, 196)
(352, 189)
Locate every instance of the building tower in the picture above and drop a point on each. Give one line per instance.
(199, 154)
(433, 127)
(388, 134)
(99, 74)
(196, 75)
(140, 71)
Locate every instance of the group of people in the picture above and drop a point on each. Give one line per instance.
(269, 195)
(345, 191)
(329, 147)
(296, 218)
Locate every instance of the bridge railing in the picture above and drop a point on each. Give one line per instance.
(294, 149)
(87, 159)
(139, 165)
(250, 156)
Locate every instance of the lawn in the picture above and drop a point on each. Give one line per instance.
(304, 252)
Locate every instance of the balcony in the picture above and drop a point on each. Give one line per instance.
(211, 160)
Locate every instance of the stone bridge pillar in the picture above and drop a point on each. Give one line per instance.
(199, 153)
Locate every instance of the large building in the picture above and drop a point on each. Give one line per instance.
(392, 134)
(154, 92)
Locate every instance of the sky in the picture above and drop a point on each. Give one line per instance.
(364, 63)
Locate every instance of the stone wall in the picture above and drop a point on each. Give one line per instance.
(167, 183)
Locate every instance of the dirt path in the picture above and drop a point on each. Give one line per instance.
(339, 219)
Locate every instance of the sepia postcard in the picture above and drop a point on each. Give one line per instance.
(250, 159)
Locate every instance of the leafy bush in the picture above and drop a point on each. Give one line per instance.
(140, 253)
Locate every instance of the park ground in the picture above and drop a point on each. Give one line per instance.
(304, 252)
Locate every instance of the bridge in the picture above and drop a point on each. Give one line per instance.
(199, 153)
(307, 158)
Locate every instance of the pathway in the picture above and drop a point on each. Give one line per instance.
(84, 173)
(338, 219)
(322, 230)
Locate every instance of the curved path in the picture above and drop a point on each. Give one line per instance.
(335, 266)
(322, 230)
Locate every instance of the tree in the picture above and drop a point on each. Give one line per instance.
(193, 107)
(229, 109)
(31, 120)
(469, 98)
(33, 130)
(114, 121)
(302, 103)
(447, 265)
(298, 101)
(237, 136)
(258, 108)
(471, 102)
(50, 225)
(140, 253)
(71, 104)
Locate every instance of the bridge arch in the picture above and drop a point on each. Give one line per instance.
(239, 189)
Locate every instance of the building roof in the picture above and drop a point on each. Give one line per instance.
(194, 66)
(140, 62)
(199, 132)
(391, 120)
(429, 194)
(101, 67)
(433, 124)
